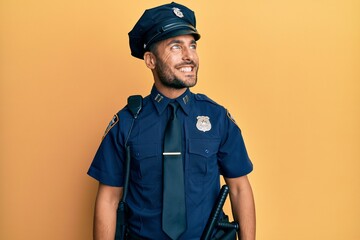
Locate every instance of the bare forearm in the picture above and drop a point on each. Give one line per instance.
(104, 222)
(243, 207)
(105, 213)
(244, 213)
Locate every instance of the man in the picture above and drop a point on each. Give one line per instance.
(210, 143)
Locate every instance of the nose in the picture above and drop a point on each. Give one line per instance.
(188, 54)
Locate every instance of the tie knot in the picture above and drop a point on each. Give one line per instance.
(174, 106)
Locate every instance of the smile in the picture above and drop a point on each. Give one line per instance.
(186, 69)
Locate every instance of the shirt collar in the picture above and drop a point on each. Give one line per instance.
(161, 102)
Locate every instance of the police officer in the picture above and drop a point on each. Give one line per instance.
(165, 37)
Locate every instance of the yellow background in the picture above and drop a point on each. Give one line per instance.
(288, 71)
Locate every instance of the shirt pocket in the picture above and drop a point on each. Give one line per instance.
(146, 164)
(203, 156)
(202, 170)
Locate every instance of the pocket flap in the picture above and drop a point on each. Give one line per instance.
(141, 151)
(204, 147)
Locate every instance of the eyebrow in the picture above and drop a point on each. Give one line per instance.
(180, 41)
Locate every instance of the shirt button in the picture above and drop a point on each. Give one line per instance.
(206, 151)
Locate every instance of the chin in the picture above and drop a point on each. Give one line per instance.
(191, 84)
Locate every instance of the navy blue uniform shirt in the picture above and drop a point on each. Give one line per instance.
(212, 145)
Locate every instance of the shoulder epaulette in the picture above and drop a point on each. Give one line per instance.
(203, 97)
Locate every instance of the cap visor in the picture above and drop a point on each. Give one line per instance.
(178, 32)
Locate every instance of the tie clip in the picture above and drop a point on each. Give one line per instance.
(171, 153)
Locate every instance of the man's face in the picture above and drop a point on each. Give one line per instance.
(177, 62)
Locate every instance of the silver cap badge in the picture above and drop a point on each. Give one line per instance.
(203, 123)
(178, 12)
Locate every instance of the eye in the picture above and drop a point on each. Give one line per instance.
(193, 46)
(175, 47)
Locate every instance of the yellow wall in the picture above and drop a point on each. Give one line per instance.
(289, 72)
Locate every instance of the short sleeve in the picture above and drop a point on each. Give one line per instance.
(107, 165)
(232, 156)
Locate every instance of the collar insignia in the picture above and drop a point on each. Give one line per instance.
(186, 99)
(159, 98)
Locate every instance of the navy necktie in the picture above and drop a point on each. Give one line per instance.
(174, 213)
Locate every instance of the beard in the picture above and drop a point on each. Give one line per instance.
(168, 78)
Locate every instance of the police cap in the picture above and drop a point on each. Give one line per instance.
(160, 23)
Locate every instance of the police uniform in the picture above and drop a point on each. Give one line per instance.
(212, 146)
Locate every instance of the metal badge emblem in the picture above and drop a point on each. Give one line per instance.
(178, 12)
(203, 123)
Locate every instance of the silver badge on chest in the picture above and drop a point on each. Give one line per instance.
(203, 123)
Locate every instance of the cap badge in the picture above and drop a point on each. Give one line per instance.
(203, 123)
(178, 12)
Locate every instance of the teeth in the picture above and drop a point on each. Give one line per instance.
(186, 69)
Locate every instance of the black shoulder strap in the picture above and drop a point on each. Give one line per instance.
(134, 105)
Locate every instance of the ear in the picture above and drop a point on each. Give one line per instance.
(150, 60)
